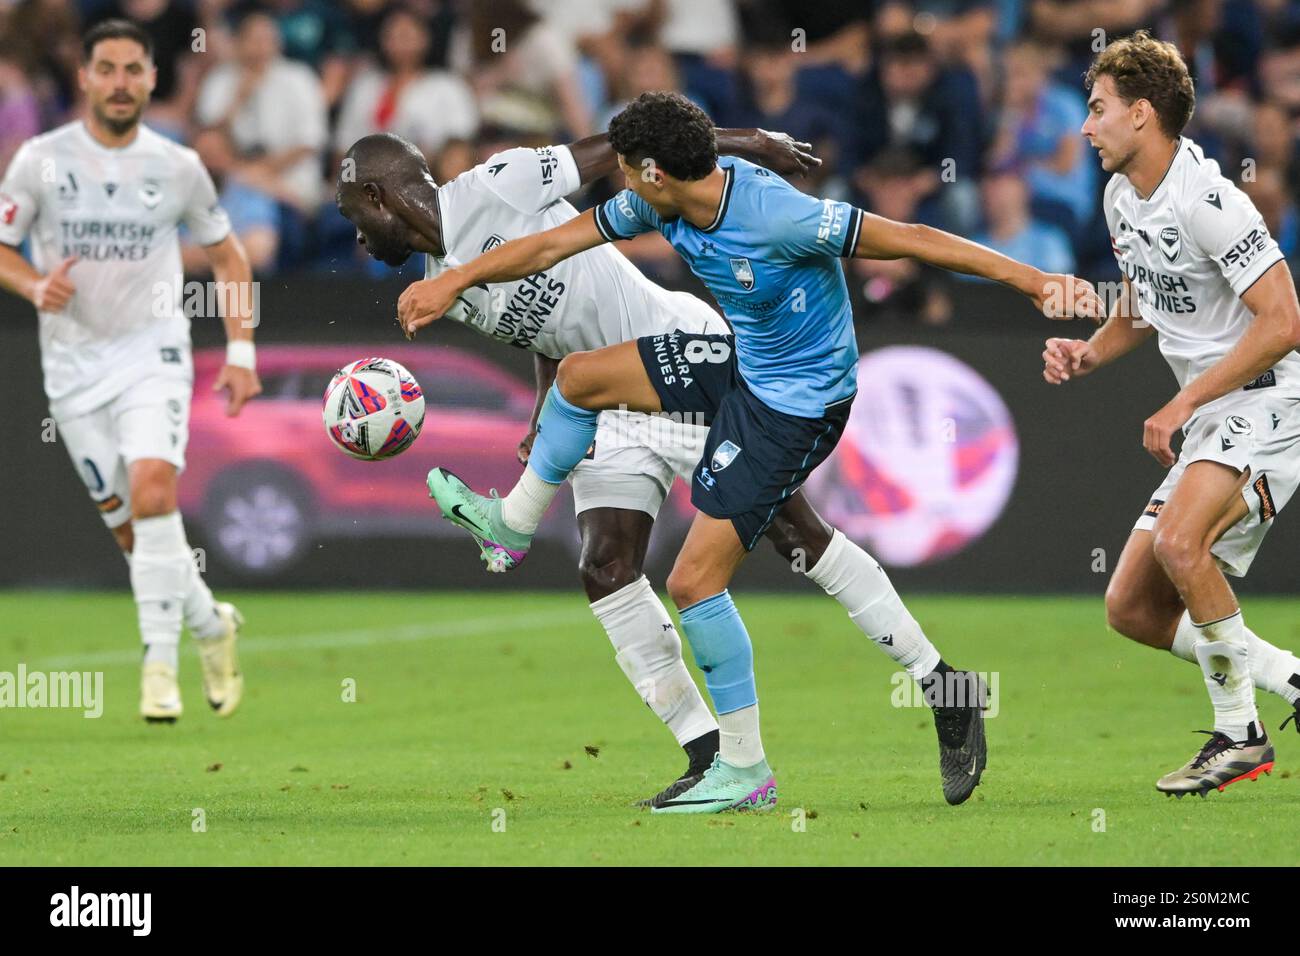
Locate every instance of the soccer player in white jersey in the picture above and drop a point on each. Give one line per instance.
(598, 299)
(101, 199)
(1203, 276)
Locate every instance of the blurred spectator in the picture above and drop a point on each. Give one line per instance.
(908, 101)
(769, 99)
(1084, 27)
(1038, 129)
(1279, 70)
(960, 32)
(254, 212)
(316, 32)
(171, 25)
(44, 37)
(455, 157)
(1273, 146)
(1277, 204)
(273, 111)
(1013, 231)
(524, 71)
(20, 115)
(836, 34)
(428, 107)
(895, 185)
(702, 36)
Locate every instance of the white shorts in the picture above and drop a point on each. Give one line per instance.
(1250, 431)
(634, 460)
(149, 420)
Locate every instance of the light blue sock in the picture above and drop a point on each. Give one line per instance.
(564, 433)
(722, 650)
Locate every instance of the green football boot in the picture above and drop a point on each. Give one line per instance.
(501, 547)
(724, 787)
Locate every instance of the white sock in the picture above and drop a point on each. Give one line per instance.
(160, 569)
(649, 651)
(1271, 668)
(739, 743)
(200, 611)
(200, 606)
(1223, 656)
(852, 577)
(522, 509)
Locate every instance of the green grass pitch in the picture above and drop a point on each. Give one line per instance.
(499, 730)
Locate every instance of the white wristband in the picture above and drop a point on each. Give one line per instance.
(241, 353)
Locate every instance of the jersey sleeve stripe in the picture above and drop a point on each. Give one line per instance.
(1277, 257)
(851, 234)
(604, 226)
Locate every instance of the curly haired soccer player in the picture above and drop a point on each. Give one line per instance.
(777, 392)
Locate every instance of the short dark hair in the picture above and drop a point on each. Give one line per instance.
(671, 130)
(115, 30)
(1145, 68)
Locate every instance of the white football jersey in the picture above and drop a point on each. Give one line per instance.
(1191, 250)
(591, 300)
(117, 212)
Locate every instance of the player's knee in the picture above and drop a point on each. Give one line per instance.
(1124, 611)
(604, 573)
(802, 547)
(686, 587)
(1178, 552)
(153, 489)
(575, 378)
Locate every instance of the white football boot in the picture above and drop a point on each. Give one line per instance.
(160, 695)
(223, 684)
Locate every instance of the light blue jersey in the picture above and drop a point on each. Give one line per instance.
(771, 260)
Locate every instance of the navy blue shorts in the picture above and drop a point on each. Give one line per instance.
(755, 457)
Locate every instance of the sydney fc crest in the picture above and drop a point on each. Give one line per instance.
(744, 273)
(1171, 243)
(724, 455)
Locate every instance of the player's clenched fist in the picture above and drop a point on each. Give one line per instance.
(1064, 359)
(1063, 296)
(51, 293)
(426, 301)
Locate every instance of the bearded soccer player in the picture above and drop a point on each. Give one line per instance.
(1204, 277)
(101, 199)
(777, 393)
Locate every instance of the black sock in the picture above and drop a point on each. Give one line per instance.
(934, 685)
(701, 751)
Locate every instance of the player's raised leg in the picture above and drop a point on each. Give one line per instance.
(645, 640)
(586, 383)
(740, 778)
(1143, 605)
(1206, 502)
(861, 586)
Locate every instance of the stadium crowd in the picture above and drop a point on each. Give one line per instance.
(960, 113)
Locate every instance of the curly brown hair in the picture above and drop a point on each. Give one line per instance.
(1144, 68)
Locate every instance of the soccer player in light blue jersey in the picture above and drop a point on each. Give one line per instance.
(776, 391)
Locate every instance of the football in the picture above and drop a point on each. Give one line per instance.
(373, 409)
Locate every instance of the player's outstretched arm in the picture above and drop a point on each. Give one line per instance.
(779, 152)
(1056, 296)
(427, 300)
(1065, 359)
(49, 293)
(234, 278)
(1274, 332)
